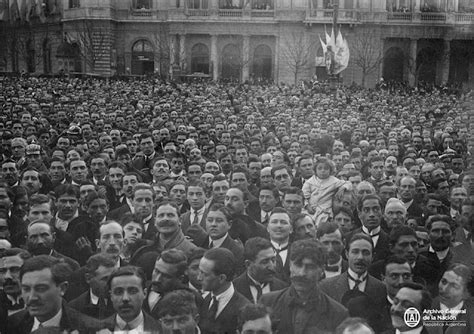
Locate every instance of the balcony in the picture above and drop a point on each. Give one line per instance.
(142, 12)
(326, 15)
(230, 12)
(89, 12)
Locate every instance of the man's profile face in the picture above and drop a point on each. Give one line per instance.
(164, 277)
(305, 228)
(42, 296)
(263, 267)
(404, 299)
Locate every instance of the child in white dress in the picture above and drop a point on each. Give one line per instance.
(320, 189)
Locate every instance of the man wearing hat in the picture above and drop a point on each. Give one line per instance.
(34, 158)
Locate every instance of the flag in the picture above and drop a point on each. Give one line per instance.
(14, 10)
(3, 10)
(336, 52)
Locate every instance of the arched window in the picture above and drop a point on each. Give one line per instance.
(231, 62)
(262, 62)
(142, 58)
(200, 59)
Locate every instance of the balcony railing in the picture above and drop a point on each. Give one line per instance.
(230, 12)
(198, 12)
(398, 16)
(433, 17)
(464, 17)
(262, 13)
(142, 12)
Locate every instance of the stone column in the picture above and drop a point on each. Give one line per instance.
(412, 61)
(214, 58)
(245, 57)
(444, 62)
(182, 52)
(172, 49)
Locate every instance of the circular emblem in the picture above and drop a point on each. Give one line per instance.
(412, 317)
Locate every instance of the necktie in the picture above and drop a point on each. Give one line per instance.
(127, 327)
(265, 220)
(356, 281)
(259, 289)
(196, 217)
(211, 244)
(213, 308)
(278, 256)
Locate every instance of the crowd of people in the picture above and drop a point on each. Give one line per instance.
(152, 206)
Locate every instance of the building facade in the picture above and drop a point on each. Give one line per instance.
(277, 40)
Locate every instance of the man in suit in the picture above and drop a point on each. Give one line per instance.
(128, 306)
(369, 210)
(45, 307)
(259, 278)
(193, 222)
(143, 202)
(95, 301)
(129, 181)
(406, 193)
(144, 162)
(330, 236)
(463, 233)
(169, 274)
(304, 171)
(10, 296)
(404, 243)
(218, 225)
(243, 226)
(169, 236)
(179, 313)
(440, 229)
(356, 279)
(395, 214)
(409, 295)
(41, 239)
(221, 306)
(304, 300)
(397, 271)
(454, 296)
(279, 228)
(268, 199)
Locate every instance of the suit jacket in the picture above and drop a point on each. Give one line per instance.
(226, 321)
(467, 319)
(460, 236)
(150, 325)
(144, 167)
(244, 227)
(242, 285)
(71, 320)
(464, 253)
(415, 210)
(335, 287)
(5, 306)
(151, 231)
(83, 304)
(186, 221)
(235, 247)
(439, 267)
(320, 314)
(381, 250)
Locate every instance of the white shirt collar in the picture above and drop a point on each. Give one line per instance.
(63, 224)
(13, 300)
(130, 204)
(356, 276)
(218, 242)
(94, 298)
(374, 231)
(224, 298)
(135, 324)
(53, 322)
(390, 300)
(200, 212)
(440, 254)
(411, 331)
(279, 246)
(457, 307)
